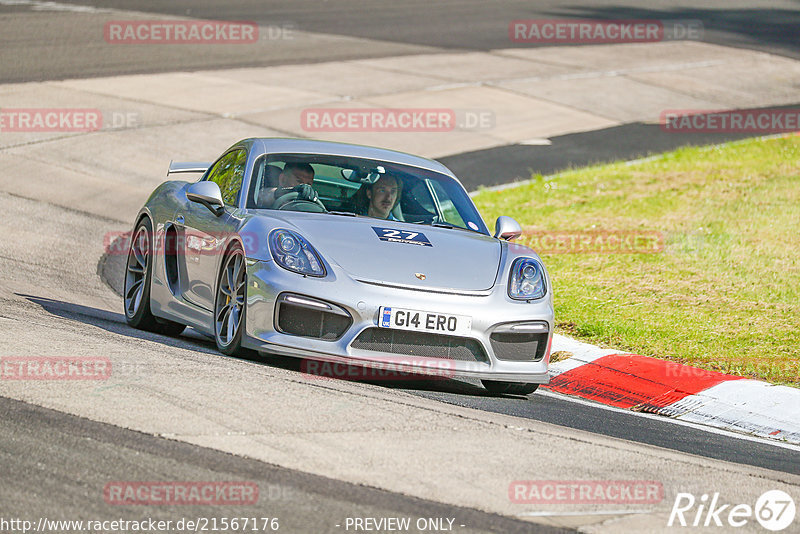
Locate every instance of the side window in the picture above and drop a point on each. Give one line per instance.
(421, 194)
(449, 210)
(228, 174)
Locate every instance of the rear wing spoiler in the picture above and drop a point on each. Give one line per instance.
(187, 166)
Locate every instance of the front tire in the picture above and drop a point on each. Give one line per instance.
(509, 388)
(229, 303)
(138, 275)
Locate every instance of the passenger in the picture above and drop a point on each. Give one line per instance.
(379, 199)
(295, 177)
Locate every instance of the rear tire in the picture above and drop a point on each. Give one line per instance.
(138, 276)
(509, 388)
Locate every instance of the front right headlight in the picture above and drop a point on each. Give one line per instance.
(292, 252)
(527, 280)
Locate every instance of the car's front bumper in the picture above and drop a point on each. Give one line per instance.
(489, 312)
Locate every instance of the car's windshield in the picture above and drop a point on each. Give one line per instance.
(360, 187)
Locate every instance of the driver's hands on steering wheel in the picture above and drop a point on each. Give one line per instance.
(304, 192)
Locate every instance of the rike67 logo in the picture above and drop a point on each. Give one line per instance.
(774, 510)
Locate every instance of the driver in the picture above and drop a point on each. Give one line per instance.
(295, 177)
(379, 199)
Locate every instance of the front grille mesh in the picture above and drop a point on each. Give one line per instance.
(420, 344)
(300, 321)
(519, 347)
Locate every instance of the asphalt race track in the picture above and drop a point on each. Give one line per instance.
(320, 451)
(393, 28)
(547, 408)
(81, 455)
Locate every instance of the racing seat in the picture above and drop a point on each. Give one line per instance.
(269, 179)
(397, 212)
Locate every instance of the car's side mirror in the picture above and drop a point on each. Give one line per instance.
(507, 228)
(207, 194)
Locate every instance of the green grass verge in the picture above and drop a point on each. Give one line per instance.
(723, 294)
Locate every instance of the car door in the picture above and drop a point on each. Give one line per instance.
(205, 234)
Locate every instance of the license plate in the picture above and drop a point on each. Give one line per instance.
(425, 321)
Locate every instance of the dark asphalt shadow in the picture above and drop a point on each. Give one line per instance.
(115, 323)
(192, 340)
(773, 30)
(512, 163)
(483, 26)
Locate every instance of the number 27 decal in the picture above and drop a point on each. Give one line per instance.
(388, 232)
(393, 235)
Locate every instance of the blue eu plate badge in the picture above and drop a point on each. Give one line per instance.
(386, 318)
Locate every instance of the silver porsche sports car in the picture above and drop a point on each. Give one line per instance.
(341, 253)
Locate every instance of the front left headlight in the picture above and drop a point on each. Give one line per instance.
(292, 252)
(527, 280)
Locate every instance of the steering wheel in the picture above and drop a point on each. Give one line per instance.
(290, 202)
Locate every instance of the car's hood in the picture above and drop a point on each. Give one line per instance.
(454, 260)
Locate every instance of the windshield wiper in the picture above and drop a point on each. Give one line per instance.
(345, 213)
(439, 224)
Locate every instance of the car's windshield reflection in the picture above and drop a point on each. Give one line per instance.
(357, 187)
